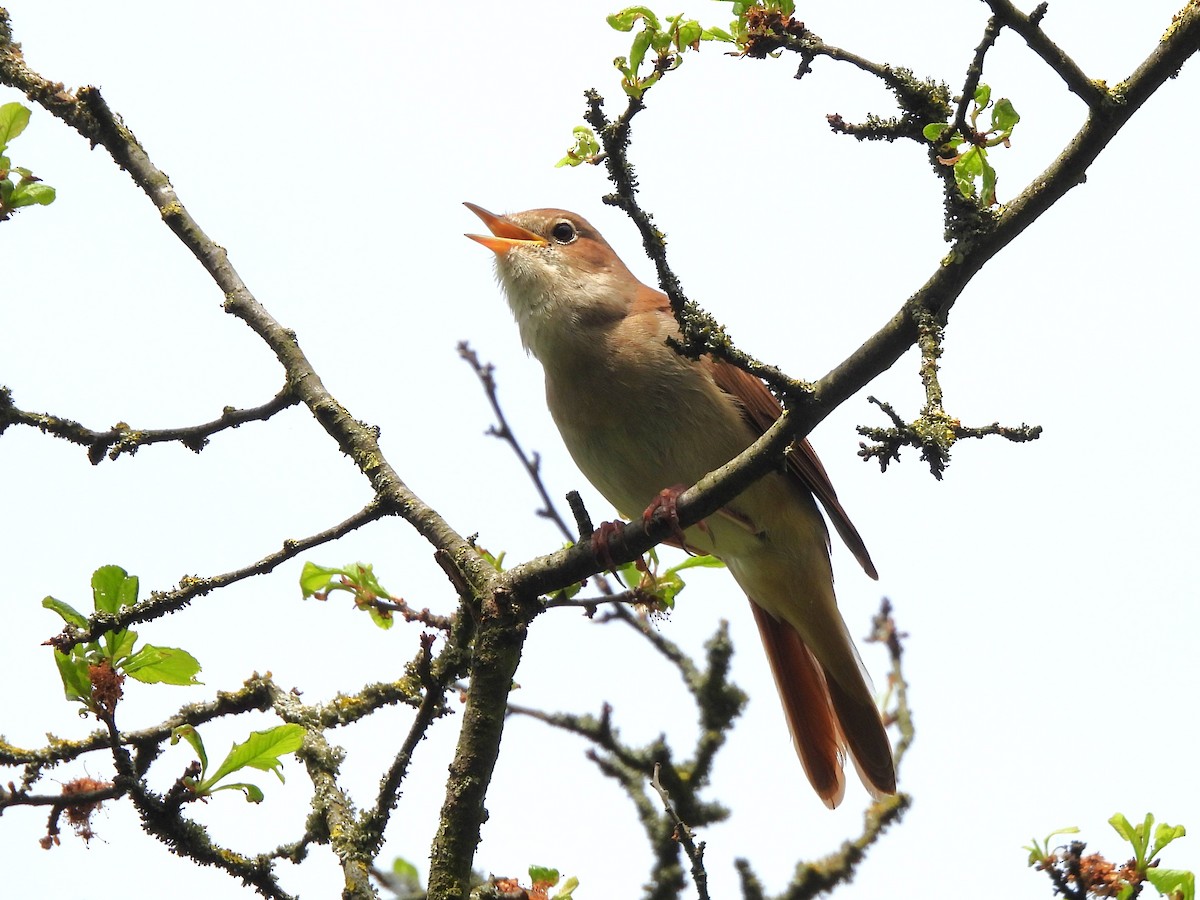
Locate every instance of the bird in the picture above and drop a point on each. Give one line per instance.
(642, 422)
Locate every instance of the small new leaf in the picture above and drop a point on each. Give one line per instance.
(543, 875)
(974, 174)
(933, 130)
(358, 579)
(252, 792)
(628, 17)
(1177, 884)
(192, 736)
(261, 750)
(13, 119)
(70, 614)
(74, 673)
(586, 148)
(28, 189)
(567, 891)
(1039, 852)
(404, 880)
(1004, 117)
(31, 193)
(162, 665)
(113, 588)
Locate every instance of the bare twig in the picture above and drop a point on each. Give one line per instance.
(974, 74)
(435, 676)
(694, 851)
(121, 438)
(1030, 28)
(531, 463)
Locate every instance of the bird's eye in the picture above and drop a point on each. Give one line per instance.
(563, 232)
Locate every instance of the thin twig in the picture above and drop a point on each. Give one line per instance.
(435, 678)
(974, 74)
(1029, 28)
(694, 851)
(121, 438)
(160, 603)
(531, 463)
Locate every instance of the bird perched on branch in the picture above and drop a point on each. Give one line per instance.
(643, 422)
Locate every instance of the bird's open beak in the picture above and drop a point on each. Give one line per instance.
(504, 234)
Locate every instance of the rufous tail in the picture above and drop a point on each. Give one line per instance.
(826, 718)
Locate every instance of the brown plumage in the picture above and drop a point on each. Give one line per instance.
(637, 418)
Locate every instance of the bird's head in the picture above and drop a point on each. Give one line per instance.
(561, 277)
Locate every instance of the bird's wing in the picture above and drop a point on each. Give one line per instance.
(761, 409)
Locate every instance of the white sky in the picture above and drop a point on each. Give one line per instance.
(1048, 588)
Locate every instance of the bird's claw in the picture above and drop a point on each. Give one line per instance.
(602, 539)
(667, 502)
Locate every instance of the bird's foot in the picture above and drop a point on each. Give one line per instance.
(666, 504)
(602, 539)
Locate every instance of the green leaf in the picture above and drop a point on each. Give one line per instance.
(192, 736)
(70, 614)
(496, 562)
(972, 162)
(933, 130)
(1004, 117)
(314, 578)
(13, 119)
(692, 562)
(988, 195)
(253, 792)
(1137, 835)
(965, 170)
(983, 94)
(381, 617)
(628, 17)
(585, 149)
(162, 665)
(688, 34)
(405, 879)
(32, 194)
(74, 673)
(637, 53)
(112, 589)
(1122, 827)
(119, 644)
(1173, 883)
(261, 750)
(357, 578)
(1164, 834)
(543, 875)
(567, 891)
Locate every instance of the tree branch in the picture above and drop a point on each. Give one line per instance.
(86, 111)
(1029, 27)
(161, 603)
(123, 439)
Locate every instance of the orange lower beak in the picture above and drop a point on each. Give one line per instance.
(504, 234)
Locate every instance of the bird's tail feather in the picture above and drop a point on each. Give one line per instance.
(825, 718)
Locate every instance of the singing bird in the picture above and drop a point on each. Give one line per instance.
(639, 418)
